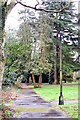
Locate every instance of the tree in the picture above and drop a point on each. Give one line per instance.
(18, 50)
(62, 22)
(24, 32)
(44, 37)
(17, 59)
(41, 46)
(4, 11)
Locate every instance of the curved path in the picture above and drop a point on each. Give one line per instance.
(30, 105)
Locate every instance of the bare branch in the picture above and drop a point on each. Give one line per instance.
(42, 9)
(10, 6)
(37, 4)
(5, 4)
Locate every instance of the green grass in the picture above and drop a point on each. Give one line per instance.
(51, 92)
(70, 109)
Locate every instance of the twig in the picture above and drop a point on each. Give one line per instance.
(42, 9)
(5, 4)
(37, 3)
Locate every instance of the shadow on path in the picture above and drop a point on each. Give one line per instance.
(31, 105)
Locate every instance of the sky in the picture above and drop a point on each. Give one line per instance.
(12, 19)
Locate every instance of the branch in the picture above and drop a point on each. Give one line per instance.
(78, 59)
(5, 4)
(42, 9)
(37, 3)
(10, 6)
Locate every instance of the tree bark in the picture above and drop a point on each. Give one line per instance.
(2, 59)
(34, 80)
(1, 72)
(40, 80)
(30, 80)
(4, 10)
(56, 75)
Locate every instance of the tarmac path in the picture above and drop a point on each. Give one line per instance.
(31, 105)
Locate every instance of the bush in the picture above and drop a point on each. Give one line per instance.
(67, 78)
(78, 78)
(8, 113)
(6, 82)
(2, 106)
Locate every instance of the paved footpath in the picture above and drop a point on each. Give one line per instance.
(30, 105)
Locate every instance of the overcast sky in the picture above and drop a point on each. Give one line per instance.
(12, 20)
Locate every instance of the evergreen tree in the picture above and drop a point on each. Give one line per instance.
(61, 22)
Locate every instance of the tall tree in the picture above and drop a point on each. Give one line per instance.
(5, 9)
(41, 47)
(19, 49)
(62, 22)
(45, 41)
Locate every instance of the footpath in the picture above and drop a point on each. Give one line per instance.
(31, 105)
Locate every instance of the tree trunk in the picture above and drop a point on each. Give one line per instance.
(2, 24)
(34, 80)
(30, 80)
(56, 76)
(2, 60)
(40, 80)
(4, 11)
(1, 72)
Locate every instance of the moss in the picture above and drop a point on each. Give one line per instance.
(23, 109)
(20, 109)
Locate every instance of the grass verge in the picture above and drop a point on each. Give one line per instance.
(70, 92)
(71, 109)
(51, 92)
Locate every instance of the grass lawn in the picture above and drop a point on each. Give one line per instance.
(70, 92)
(71, 109)
(51, 92)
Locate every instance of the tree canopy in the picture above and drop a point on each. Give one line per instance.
(34, 49)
